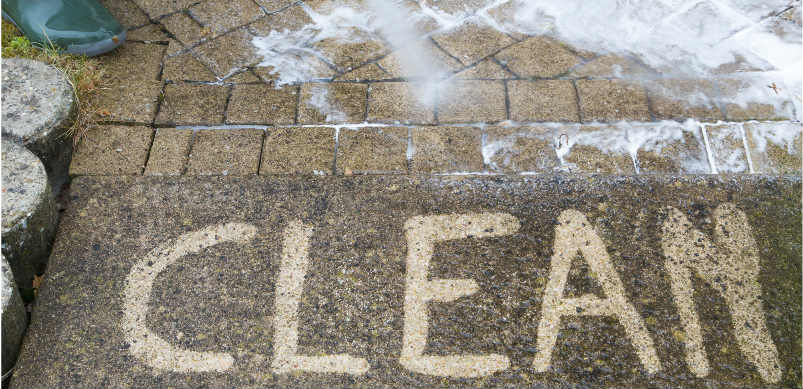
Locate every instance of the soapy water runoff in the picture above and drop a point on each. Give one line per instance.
(683, 39)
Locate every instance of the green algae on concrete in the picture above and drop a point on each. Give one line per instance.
(358, 235)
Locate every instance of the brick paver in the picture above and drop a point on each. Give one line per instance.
(196, 66)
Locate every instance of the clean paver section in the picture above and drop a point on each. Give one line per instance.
(394, 281)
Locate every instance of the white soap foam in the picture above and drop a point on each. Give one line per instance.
(679, 38)
(319, 99)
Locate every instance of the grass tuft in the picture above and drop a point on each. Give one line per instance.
(84, 73)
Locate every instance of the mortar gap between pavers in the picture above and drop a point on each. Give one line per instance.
(577, 101)
(148, 153)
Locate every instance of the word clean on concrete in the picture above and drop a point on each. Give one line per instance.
(728, 262)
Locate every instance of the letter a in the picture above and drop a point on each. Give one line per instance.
(422, 233)
(730, 266)
(573, 235)
(288, 295)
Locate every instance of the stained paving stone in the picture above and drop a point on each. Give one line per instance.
(538, 56)
(356, 150)
(225, 152)
(472, 101)
(399, 64)
(520, 149)
(472, 41)
(220, 16)
(396, 102)
(112, 150)
(149, 33)
(299, 151)
(126, 12)
(612, 66)
(456, 6)
(130, 95)
(168, 154)
(486, 69)
(670, 148)
(291, 19)
(775, 148)
(332, 102)
(174, 47)
(274, 5)
(328, 259)
(438, 150)
(262, 104)
(741, 101)
(186, 103)
(596, 150)
(228, 53)
(676, 99)
(367, 72)
(184, 28)
(611, 100)
(185, 67)
(347, 55)
(543, 101)
(246, 76)
(727, 146)
(157, 8)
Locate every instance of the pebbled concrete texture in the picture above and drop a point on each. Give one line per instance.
(15, 317)
(29, 213)
(38, 108)
(222, 298)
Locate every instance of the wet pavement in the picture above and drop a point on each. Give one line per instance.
(382, 281)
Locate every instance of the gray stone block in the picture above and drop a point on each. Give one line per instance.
(38, 107)
(29, 213)
(15, 319)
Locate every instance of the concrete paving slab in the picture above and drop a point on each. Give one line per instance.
(612, 100)
(112, 150)
(190, 103)
(157, 8)
(126, 12)
(225, 152)
(298, 150)
(679, 99)
(220, 16)
(486, 69)
(396, 102)
(727, 145)
(332, 103)
(439, 150)
(775, 148)
(131, 96)
(184, 28)
(390, 281)
(472, 41)
(355, 150)
(168, 154)
(539, 56)
(472, 101)
(262, 104)
(149, 33)
(543, 101)
(520, 149)
(185, 67)
(228, 53)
